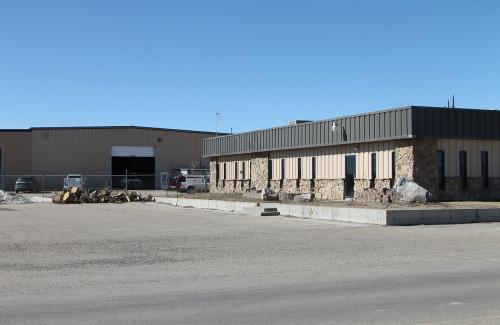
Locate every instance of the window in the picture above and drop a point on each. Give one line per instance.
(393, 167)
(440, 168)
(250, 173)
(282, 172)
(269, 172)
(217, 174)
(374, 169)
(313, 172)
(243, 171)
(313, 167)
(299, 171)
(224, 171)
(462, 162)
(235, 174)
(484, 169)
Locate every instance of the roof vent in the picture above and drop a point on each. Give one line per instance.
(295, 122)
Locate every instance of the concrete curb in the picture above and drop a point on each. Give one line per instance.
(207, 204)
(392, 217)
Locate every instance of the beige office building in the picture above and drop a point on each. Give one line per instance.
(454, 153)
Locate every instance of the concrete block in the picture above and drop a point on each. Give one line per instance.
(405, 217)
(488, 215)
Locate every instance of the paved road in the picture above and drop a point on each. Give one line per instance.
(154, 264)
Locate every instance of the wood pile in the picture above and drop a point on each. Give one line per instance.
(76, 195)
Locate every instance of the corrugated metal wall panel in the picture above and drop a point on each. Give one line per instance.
(419, 122)
(451, 147)
(89, 150)
(362, 128)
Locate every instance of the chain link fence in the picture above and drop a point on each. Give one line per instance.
(48, 183)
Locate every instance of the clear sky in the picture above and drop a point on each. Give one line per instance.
(260, 63)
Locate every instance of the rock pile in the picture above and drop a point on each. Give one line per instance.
(384, 195)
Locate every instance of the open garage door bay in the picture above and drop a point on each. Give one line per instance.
(138, 163)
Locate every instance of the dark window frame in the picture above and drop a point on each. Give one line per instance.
(373, 161)
(441, 165)
(269, 171)
(217, 173)
(299, 171)
(313, 173)
(393, 168)
(282, 178)
(485, 181)
(313, 168)
(462, 167)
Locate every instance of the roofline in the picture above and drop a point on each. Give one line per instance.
(15, 130)
(107, 128)
(355, 115)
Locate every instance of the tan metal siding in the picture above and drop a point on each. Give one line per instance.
(451, 147)
(89, 150)
(330, 161)
(16, 152)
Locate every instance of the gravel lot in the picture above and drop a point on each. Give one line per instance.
(156, 264)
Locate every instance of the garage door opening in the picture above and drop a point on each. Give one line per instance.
(133, 167)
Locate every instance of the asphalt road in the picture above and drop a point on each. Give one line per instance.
(155, 264)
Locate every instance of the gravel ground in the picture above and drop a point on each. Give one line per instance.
(154, 264)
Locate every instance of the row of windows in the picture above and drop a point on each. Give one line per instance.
(462, 166)
(373, 158)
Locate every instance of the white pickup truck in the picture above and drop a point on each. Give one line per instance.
(194, 183)
(74, 180)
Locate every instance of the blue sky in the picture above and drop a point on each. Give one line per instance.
(261, 63)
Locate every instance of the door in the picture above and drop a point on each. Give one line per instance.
(350, 175)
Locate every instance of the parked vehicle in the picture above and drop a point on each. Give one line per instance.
(26, 184)
(178, 176)
(132, 183)
(74, 180)
(195, 183)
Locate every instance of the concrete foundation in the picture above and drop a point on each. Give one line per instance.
(395, 217)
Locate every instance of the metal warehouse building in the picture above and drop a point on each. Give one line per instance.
(454, 153)
(97, 152)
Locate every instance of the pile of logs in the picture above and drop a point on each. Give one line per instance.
(76, 195)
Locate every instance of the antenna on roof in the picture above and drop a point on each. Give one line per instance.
(452, 102)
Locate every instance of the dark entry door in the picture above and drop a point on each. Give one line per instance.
(350, 175)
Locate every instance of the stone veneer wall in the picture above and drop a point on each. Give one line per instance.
(329, 189)
(425, 171)
(360, 185)
(258, 171)
(305, 186)
(275, 185)
(290, 186)
(415, 159)
(404, 158)
(382, 183)
(213, 179)
(474, 191)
